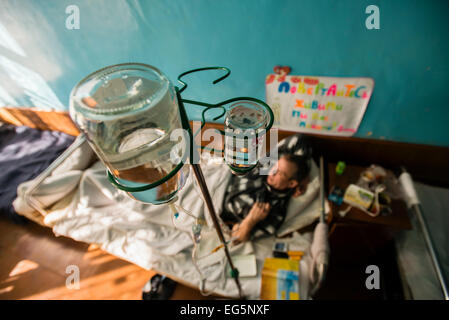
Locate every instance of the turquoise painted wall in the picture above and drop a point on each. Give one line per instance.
(41, 60)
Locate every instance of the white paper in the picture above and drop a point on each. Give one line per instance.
(319, 105)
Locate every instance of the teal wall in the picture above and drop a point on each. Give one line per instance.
(41, 60)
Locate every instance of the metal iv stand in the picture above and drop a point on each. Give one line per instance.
(194, 155)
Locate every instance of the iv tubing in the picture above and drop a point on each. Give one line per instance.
(203, 280)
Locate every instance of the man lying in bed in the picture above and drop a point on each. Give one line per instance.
(257, 204)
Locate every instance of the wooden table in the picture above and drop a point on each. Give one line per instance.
(358, 240)
(398, 219)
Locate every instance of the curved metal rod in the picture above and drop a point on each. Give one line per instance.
(203, 119)
(203, 123)
(242, 170)
(228, 72)
(222, 103)
(120, 186)
(142, 188)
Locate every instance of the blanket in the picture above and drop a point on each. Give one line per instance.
(83, 205)
(24, 153)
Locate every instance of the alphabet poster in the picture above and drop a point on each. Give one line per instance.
(320, 105)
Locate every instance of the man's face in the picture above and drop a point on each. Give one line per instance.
(280, 176)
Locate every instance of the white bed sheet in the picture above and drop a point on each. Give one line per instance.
(83, 205)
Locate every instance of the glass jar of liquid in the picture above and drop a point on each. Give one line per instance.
(245, 126)
(128, 112)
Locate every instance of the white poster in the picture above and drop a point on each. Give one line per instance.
(320, 105)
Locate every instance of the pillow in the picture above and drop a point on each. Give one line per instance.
(305, 209)
(297, 204)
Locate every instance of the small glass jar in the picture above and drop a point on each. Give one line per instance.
(245, 128)
(128, 112)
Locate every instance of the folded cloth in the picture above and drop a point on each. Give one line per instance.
(24, 154)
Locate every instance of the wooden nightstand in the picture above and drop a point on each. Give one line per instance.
(398, 219)
(358, 240)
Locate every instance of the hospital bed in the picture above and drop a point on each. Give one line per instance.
(74, 197)
(422, 254)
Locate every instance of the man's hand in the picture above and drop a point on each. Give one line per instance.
(241, 232)
(258, 212)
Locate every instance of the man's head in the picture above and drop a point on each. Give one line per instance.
(290, 172)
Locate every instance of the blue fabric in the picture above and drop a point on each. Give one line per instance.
(24, 154)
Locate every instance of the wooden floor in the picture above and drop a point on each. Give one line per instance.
(33, 264)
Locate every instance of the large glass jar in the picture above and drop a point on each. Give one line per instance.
(128, 112)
